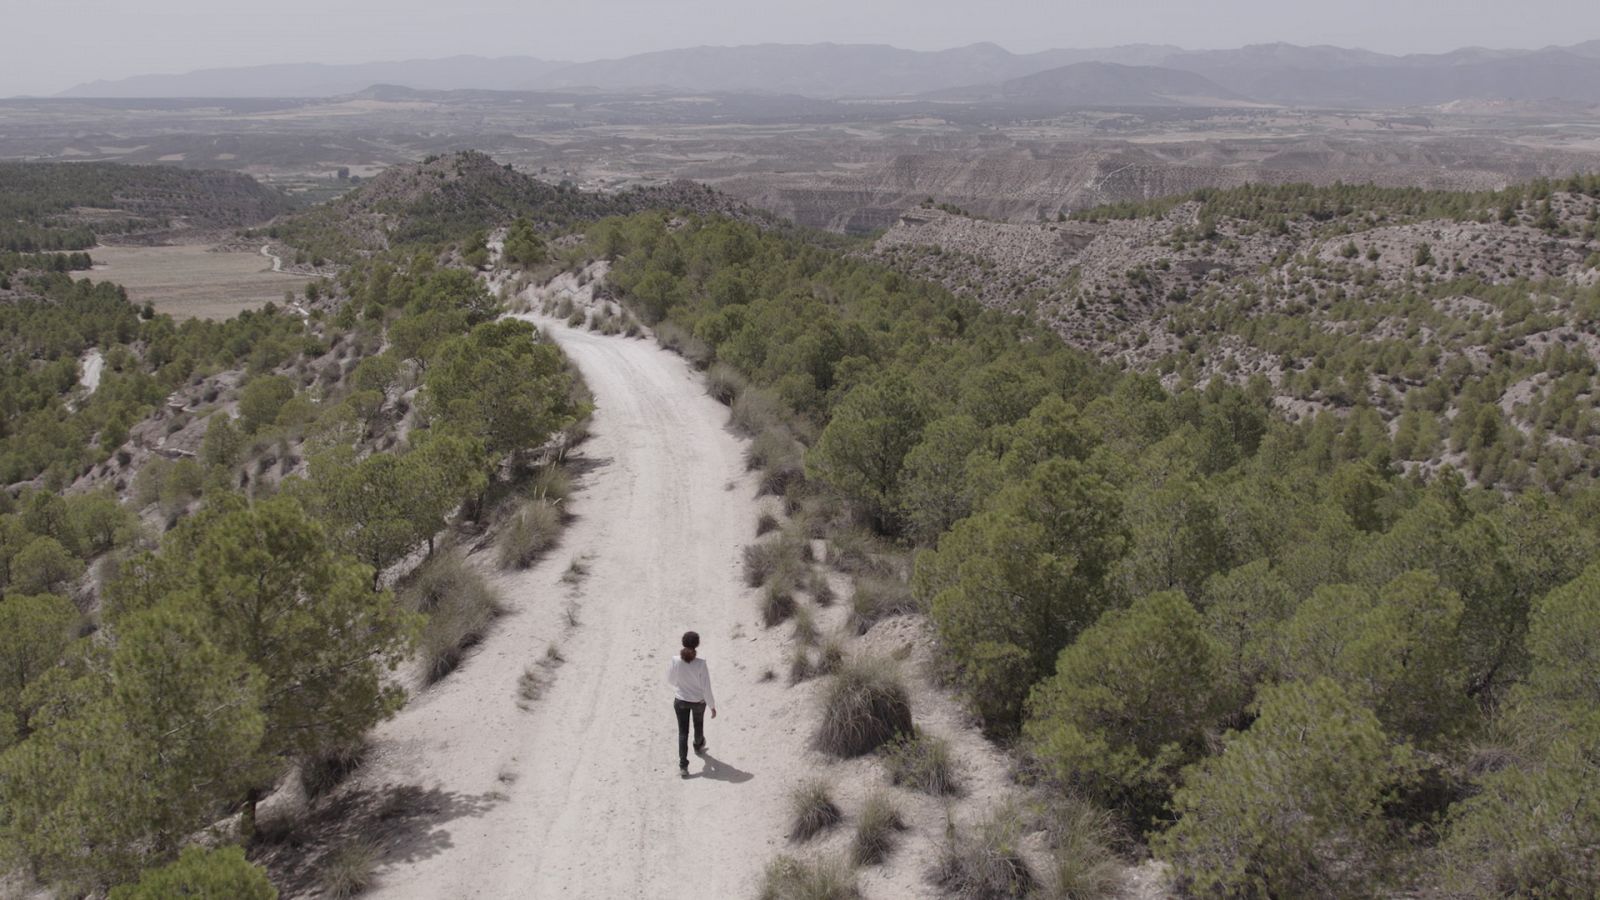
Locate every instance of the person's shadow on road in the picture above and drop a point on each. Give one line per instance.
(717, 770)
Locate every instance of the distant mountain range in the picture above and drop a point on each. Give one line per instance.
(1284, 74)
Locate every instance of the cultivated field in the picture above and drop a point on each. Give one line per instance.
(190, 281)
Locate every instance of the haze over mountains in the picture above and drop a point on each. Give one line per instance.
(1280, 74)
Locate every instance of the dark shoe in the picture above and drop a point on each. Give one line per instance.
(683, 764)
(700, 749)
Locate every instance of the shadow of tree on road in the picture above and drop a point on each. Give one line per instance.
(403, 823)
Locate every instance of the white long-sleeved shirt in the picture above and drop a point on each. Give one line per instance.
(691, 681)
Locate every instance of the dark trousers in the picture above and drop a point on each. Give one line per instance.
(684, 708)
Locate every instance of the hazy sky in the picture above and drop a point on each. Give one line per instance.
(52, 44)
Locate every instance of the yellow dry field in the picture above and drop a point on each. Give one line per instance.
(191, 281)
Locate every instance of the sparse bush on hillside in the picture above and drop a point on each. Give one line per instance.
(864, 706)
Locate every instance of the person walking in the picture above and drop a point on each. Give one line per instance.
(691, 685)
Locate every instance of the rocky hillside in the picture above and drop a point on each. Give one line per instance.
(445, 197)
(1438, 315)
(1029, 181)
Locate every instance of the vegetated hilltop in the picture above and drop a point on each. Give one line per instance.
(446, 197)
(68, 206)
(1290, 661)
(150, 467)
(1463, 323)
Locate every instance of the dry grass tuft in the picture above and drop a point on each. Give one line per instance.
(876, 830)
(1081, 865)
(788, 878)
(777, 605)
(831, 657)
(767, 524)
(552, 483)
(820, 589)
(766, 559)
(876, 599)
(325, 771)
(460, 606)
(986, 862)
(923, 762)
(577, 570)
(864, 705)
(805, 626)
(812, 810)
(349, 870)
(528, 533)
(530, 686)
(724, 383)
(755, 410)
(800, 667)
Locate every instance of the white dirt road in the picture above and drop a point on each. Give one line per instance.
(578, 796)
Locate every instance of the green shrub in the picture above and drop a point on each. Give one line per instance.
(864, 706)
(220, 874)
(923, 762)
(788, 878)
(876, 830)
(1131, 702)
(262, 399)
(1530, 831)
(528, 533)
(1292, 807)
(43, 566)
(811, 810)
